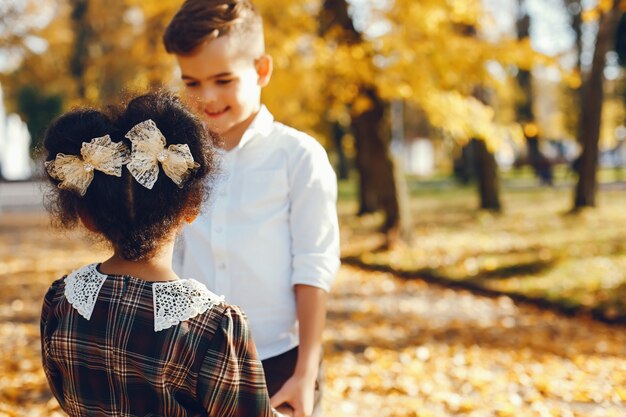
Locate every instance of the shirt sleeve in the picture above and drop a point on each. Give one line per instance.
(231, 381)
(313, 218)
(53, 374)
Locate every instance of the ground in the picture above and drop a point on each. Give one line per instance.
(408, 348)
(393, 347)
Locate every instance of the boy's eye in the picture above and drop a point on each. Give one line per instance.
(191, 84)
(224, 81)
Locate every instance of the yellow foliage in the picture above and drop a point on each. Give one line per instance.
(428, 53)
(123, 51)
(464, 118)
(591, 15)
(361, 105)
(572, 79)
(531, 130)
(603, 6)
(613, 115)
(606, 5)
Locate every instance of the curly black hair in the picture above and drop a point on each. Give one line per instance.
(134, 219)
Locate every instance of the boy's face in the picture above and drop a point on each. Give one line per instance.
(224, 84)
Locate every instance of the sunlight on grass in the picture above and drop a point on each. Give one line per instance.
(535, 248)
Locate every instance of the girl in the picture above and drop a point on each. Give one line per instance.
(127, 337)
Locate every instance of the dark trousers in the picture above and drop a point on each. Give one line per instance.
(280, 368)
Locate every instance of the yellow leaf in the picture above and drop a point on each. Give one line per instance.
(361, 105)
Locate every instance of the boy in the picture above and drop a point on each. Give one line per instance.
(269, 240)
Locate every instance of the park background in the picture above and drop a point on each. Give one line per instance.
(480, 150)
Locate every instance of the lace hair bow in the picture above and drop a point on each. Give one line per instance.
(76, 172)
(148, 149)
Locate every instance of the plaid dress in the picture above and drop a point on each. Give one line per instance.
(116, 364)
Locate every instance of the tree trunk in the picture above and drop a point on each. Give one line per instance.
(575, 8)
(620, 41)
(487, 176)
(591, 111)
(337, 133)
(377, 180)
(525, 112)
(80, 54)
(375, 165)
(541, 165)
(485, 166)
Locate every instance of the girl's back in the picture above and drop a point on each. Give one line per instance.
(115, 363)
(127, 337)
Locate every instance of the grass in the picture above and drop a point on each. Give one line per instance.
(534, 250)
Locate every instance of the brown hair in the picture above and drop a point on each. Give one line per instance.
(200, 20)
(132, 218)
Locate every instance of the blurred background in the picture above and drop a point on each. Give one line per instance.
(480, 149)
(397, 91)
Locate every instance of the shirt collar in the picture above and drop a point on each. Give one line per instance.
(261, 126)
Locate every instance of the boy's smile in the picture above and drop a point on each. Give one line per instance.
(216, 114)
(224, 84)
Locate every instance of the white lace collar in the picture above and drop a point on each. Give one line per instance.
(174, 301)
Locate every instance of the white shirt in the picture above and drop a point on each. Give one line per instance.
(271, 223)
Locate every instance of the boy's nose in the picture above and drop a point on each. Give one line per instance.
(207, 94)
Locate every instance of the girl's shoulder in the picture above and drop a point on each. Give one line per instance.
(183, 300)
(170, 302)
(54, 294)
(55, 290)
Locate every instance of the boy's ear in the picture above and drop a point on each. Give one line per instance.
(189, 218)
(264, 67)
(190, 215)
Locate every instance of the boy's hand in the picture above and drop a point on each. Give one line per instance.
(298, 392)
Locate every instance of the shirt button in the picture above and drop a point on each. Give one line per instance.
(221, 266)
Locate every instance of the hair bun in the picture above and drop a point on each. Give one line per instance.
(134, 219)
(68, 132)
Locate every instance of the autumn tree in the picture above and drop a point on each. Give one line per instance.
(96, 50)
(377, 179)
(620, 40)
(437, 59)
(117, 46)
(20, 21)
(525, 111)
(23, 29)
(328, 72)
(592, 97)
(433, 56)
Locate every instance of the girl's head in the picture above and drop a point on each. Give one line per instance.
(135, 219)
